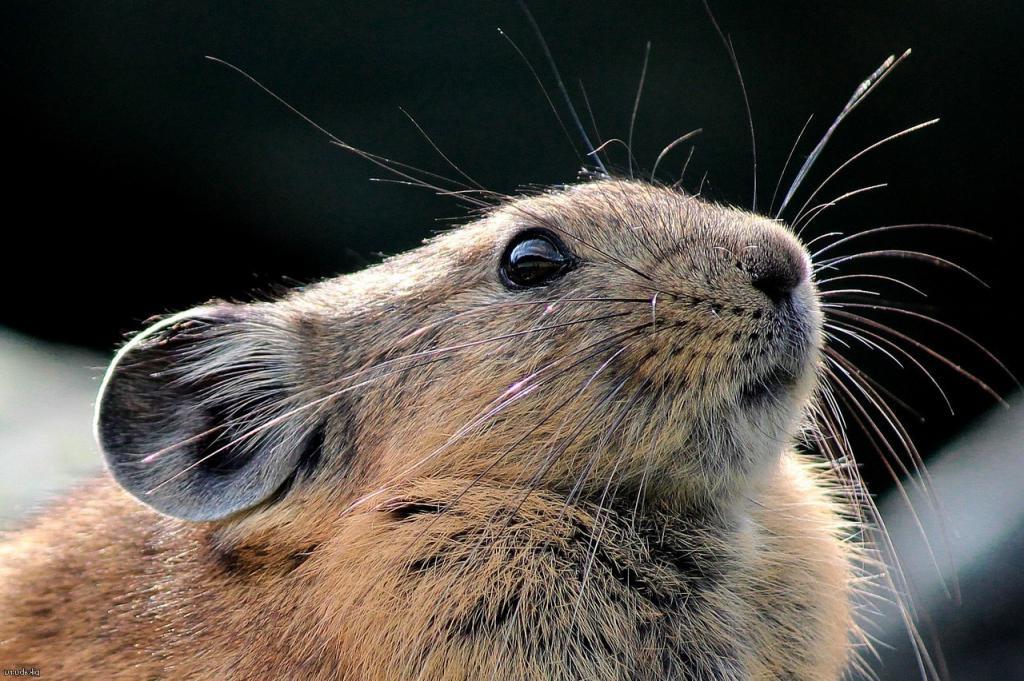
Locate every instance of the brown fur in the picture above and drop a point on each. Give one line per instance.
(664, 529)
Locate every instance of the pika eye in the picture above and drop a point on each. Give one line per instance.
(535, 258)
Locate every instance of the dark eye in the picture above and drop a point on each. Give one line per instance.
(535, 258)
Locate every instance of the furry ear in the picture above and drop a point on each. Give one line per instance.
(193, 415)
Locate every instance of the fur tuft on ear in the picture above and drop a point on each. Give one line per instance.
(193, 416)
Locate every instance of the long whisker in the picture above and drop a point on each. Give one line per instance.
(785, 166)
(881, 277)
(930, 258)
(743, 88)
(862, 152)
(862, 91)
(895, 578)
(636, 106)
(669, 147)
(940, 357)
(826, 235)
(949, 327)
(561, 85)
(927, 489)
(593, 119)
(852, 373)
(898, 348)
(436, 148)
(547, 97)
(807, 218)
(893, 228)
(682, 173)
(382, 162)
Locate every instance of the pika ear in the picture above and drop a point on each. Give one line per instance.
(193, 416)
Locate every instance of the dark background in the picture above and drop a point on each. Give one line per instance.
(142, 179)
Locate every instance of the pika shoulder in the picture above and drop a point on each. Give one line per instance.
(554, 443)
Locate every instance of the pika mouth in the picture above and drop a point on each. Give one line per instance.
(786, 360)
(769, 386)
(776, 380)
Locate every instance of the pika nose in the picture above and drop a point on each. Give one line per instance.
(777, 268)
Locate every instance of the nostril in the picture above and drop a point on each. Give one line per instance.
(778, 274)
(777, 284)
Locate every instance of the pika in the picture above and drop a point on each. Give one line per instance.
(556, 442)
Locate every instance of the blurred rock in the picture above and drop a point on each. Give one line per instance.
(46, 399)
(968, 589)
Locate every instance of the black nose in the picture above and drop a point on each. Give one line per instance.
(777, 271)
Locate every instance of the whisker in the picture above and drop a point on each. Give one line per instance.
(949, 327)
(813, 213)
(811, 242)
(547, 97)
(561, 85)
(847, 291)
(881, 277)
(852, 333)
(785, 166)
(859, 95)
(590, 112)
(436, 148)
(926, 489)
(898, 348)
(940, 357)
(892, 228)
(682, 173)
(636, 106)
(919, 256)
(862, 152)
(382, 162)
(669, 147)
(743, 88)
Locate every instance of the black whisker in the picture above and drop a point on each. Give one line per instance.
(593, 119)
(881, 277)
(940, 357)
(949, 327)
(900, 349)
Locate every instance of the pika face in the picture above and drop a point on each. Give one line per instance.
(612, 332)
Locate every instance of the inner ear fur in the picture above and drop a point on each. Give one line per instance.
(194, 416)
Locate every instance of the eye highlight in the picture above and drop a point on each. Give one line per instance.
(534, 258)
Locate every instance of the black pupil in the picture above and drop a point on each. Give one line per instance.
(535, 261)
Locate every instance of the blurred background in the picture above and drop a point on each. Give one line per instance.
(143, 179)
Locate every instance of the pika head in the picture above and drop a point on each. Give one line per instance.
(607, 333)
